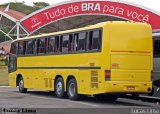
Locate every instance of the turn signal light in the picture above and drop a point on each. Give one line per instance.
(107, 75)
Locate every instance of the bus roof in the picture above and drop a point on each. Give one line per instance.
(99, 25)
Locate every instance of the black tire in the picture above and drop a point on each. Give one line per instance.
(21, 86)
(72, 90)
(51, 92)
(59, 88)
(152, 92)
(107, 98)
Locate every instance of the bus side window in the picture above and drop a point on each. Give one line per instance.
(61, 41)
(95, 40)
(51, 45)
(21, 48)
(71, 43)
(82, 41)
(75, 45)
(14, 48)
(57, 44)
(65, 44)
(24, 47)
(41, 46)
(30, 47)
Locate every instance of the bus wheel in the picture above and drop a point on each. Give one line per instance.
(151, 93)
(72, 89)
(59, 88)
(21, 86)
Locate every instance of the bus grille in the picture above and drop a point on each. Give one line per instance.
(94, 79)
(48, 82)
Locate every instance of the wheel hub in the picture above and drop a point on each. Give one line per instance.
(59, 87)
(72, 89)
(21, 83)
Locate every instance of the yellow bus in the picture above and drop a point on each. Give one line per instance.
(108, 58)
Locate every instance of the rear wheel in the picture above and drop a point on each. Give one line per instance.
(151, 93)
(72, 89)
(59, 88)
(21, 86)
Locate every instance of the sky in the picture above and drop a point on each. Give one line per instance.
(151, 4)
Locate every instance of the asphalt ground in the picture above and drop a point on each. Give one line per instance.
(44, 102)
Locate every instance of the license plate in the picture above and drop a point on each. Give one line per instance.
(130, 88)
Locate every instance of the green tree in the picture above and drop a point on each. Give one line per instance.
(40, 4)
(21, 7)
(2, 37)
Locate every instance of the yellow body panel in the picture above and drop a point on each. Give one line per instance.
(130, 60)
(128, 45)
